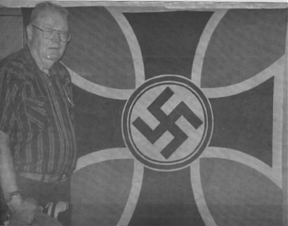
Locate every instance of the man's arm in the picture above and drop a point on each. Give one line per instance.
(7, 174)
(22, 211)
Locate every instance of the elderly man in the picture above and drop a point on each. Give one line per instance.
(37, 137)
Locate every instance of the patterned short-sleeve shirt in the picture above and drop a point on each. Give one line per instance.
(36, 112)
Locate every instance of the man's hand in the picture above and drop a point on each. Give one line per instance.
(22, 211)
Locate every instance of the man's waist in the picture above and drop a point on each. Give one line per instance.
(47, 178)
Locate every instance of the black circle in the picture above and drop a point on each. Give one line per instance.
(208, 118)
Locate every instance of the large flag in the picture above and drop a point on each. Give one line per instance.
(180, 116)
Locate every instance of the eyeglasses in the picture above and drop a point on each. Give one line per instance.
(49, 34)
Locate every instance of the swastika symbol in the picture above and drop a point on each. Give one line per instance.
(167, 122)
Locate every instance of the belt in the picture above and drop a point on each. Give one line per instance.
(47, 178)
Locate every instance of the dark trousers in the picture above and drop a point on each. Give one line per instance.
(3, 208)
(45, 193)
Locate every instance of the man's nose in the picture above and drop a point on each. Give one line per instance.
(56, 37)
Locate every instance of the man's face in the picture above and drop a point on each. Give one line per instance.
(47, 51)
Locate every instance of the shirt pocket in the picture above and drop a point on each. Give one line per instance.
(33, 113)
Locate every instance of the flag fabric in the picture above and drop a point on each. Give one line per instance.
(180, 116)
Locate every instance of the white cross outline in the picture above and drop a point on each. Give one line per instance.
(274, 173)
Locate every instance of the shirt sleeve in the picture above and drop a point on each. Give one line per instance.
(9, 91)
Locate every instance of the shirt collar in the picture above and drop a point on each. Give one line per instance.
(29, 59)
(32, 63)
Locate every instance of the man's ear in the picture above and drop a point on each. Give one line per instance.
(29, 32)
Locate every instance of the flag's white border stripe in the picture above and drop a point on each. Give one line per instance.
(199, 194)
(232, 155)
(169, 7)
(120, 94)
(133, 45)
(137, 180)
(102, 156)
(135, 50)
(278, 118)
(273, 70)
(133, 195)
(240, 157)
(203, 45)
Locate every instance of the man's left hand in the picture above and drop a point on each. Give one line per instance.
(22, 211)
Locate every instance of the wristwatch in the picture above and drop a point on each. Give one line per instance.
(8, 196)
